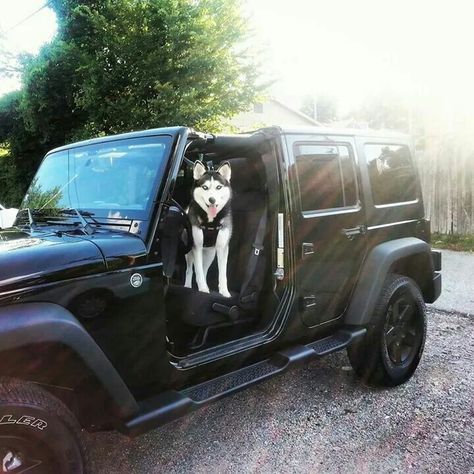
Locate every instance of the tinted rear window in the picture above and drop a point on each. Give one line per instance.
(326, 176)
(391, 172)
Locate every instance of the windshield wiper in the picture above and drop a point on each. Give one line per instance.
(31, 220)
(31, 223)
(89, 215)
(85, 226)
(39, 218)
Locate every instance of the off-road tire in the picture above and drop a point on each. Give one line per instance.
(37, 427)
(372, 358)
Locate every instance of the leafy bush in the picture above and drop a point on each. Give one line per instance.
(121, 65)
(10, 193)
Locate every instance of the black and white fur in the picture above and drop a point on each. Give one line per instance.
(210, 209)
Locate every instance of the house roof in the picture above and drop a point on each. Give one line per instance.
(296, 112)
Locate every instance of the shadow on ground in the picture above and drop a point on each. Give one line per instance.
(320, 418)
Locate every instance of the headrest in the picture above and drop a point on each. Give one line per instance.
(247, 174)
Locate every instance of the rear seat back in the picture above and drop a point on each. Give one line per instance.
(249, 202)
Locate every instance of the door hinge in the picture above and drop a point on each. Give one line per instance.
(279, 273)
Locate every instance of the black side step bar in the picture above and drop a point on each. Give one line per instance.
(171, 405)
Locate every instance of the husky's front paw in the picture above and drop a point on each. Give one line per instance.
(204, 289)
(225, 293)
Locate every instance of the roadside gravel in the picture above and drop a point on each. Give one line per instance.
(320, 418)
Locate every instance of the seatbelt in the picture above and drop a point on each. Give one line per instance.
(257, 249)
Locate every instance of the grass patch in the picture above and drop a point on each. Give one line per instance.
(464, 243)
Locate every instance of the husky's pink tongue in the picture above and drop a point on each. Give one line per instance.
(213, 211)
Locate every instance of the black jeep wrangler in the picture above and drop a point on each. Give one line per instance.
(330, 250)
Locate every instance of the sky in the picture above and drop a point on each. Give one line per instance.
(417, 50)
(27, 37)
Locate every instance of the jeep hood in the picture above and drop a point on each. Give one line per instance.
(29, 258)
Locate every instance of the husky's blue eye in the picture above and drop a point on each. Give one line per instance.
(204, 187)
(219, 187)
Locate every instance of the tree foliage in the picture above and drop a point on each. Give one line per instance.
(37, 198)
(9, 190)
(326, 108)
(384, 112)
(119, 65)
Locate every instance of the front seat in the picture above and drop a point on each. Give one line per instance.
(246, 263)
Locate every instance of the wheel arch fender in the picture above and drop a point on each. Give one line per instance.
(26, 326)
(407, 256)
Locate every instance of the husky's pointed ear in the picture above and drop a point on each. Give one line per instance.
(224, 170)
(198, 170)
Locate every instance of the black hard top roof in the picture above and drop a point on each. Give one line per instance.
(174, 131)
(171, 131)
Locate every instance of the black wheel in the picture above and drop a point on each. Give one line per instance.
(390, 352)
(38, 434)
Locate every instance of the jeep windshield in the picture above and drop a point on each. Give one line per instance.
(114, 179)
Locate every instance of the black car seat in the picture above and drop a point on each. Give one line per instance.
(246, 262)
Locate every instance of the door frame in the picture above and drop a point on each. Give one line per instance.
(298, 215)
(191, 365)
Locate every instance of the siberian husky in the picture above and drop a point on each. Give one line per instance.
(211, 221)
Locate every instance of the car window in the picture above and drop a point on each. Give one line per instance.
(391, 172)
(326, 176)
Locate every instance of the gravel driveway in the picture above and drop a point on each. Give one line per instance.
(319, 418)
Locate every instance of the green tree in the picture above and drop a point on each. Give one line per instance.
(326, 108)
(119, 65)
(10, 194)
(384, 112)
(39, 199)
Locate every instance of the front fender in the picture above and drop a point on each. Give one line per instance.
(409, 256)
(34, 324)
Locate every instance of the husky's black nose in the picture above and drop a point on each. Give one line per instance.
(212, 200)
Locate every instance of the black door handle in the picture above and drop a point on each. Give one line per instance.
(307, 249)
(354, 231)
